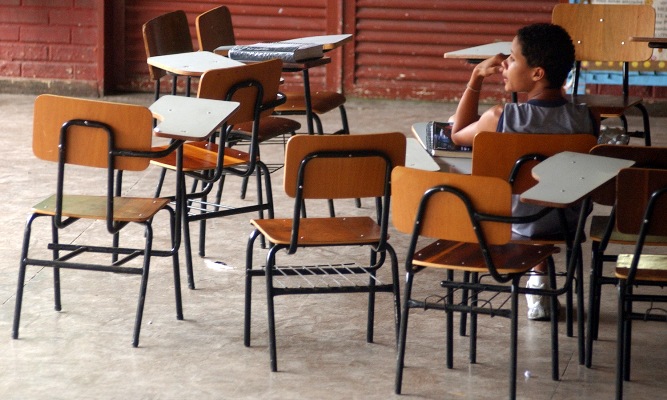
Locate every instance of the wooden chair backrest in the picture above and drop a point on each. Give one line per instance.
(601, 32)
(166, 34)
(634, 186)
(446, 216)
(338, 178)
(643, 156)
(215, 29)
(216, 85)
(494, 153)
(132, 127)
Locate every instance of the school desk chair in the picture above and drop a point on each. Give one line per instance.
(601, 33)
(167, 34)
(642, 275)
(103, 138)
(520, 153)
(604, 232)
(319, 254)
(465, 221)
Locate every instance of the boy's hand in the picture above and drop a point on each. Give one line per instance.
(490, 66)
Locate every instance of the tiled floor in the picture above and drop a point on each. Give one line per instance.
(84, 351)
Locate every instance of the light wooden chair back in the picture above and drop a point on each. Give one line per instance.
(233, 84)
(166, 34)
(215, 29)
(495, 153)
(634, 187)
(337, 178)
(644, 157)
(446, 216)
(132, 128)
(601, 32)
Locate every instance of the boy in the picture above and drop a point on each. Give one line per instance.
(541, 58)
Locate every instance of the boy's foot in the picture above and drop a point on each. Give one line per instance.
(539, 307)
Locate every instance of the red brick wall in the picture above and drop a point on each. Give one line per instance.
(47, 43)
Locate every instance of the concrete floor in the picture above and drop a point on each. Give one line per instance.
(84, 351)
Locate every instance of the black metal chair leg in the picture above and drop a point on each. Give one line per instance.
(21, 278)
(270, 309)
(143, 286)
(248, 288)
(449, 316)
(513, 338)
(403, 332)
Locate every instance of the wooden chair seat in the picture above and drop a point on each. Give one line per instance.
(321, 102)
(608, 106)
(337, 231)
(126, 209)
(202, 156)
(652, 267)
(269, 128)
(468, 257)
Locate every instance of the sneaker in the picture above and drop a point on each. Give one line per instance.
(539, 307)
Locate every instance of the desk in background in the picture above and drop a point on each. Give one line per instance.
(328, 42)
(197, 62)
(477, 54)
(192, 64)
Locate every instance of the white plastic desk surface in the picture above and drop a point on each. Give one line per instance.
(328, 42)
(417, 157)
(193, 63)
(481, 52)
(190, 118)
(568, 177)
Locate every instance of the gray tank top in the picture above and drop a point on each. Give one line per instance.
(542, 117)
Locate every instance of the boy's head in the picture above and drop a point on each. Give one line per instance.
(550, 47)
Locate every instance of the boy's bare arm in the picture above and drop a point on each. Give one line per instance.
(467, 121)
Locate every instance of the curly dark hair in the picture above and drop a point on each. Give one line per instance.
(548, 46)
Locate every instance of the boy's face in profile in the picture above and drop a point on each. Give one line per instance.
(517, 75)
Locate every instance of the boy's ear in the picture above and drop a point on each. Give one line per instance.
(538, 74)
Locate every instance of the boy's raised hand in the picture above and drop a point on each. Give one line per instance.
(490, 66)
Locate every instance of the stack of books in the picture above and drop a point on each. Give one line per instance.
(288, 52)
(438, 141)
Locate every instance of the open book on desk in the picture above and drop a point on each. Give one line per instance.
(436, 139)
